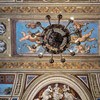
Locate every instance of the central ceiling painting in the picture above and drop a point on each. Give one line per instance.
(28, 36)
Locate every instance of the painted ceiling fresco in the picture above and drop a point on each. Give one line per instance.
(27, 37)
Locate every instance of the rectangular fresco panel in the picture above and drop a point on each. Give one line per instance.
(27, 38)
(5, 89)
(6, 84)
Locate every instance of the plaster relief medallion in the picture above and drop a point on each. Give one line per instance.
(57, 91)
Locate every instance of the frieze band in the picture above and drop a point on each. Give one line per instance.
(49, 9)
(57, 65)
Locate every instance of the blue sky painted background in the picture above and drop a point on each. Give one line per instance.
(20, 27)
(3, 87)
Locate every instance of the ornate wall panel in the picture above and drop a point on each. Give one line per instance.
(18, 84)
(50, 81)
(84, 79)
(95, 84)
(5, 37)
(80, 66)
(29, 79)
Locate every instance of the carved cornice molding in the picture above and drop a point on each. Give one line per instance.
(81, 65)
(86, 9)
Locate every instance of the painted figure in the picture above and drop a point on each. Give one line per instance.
(56, 94)
(82, 48)
(31, 37)
(46, 95)
(32, 48)
(86, 37)
(78, 26)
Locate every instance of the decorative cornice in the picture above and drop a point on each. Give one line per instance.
(86, 9)
(81, 65)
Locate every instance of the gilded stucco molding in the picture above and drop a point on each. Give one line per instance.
(95, 84)
(18, 84)
(82, 65)
(49, 9)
